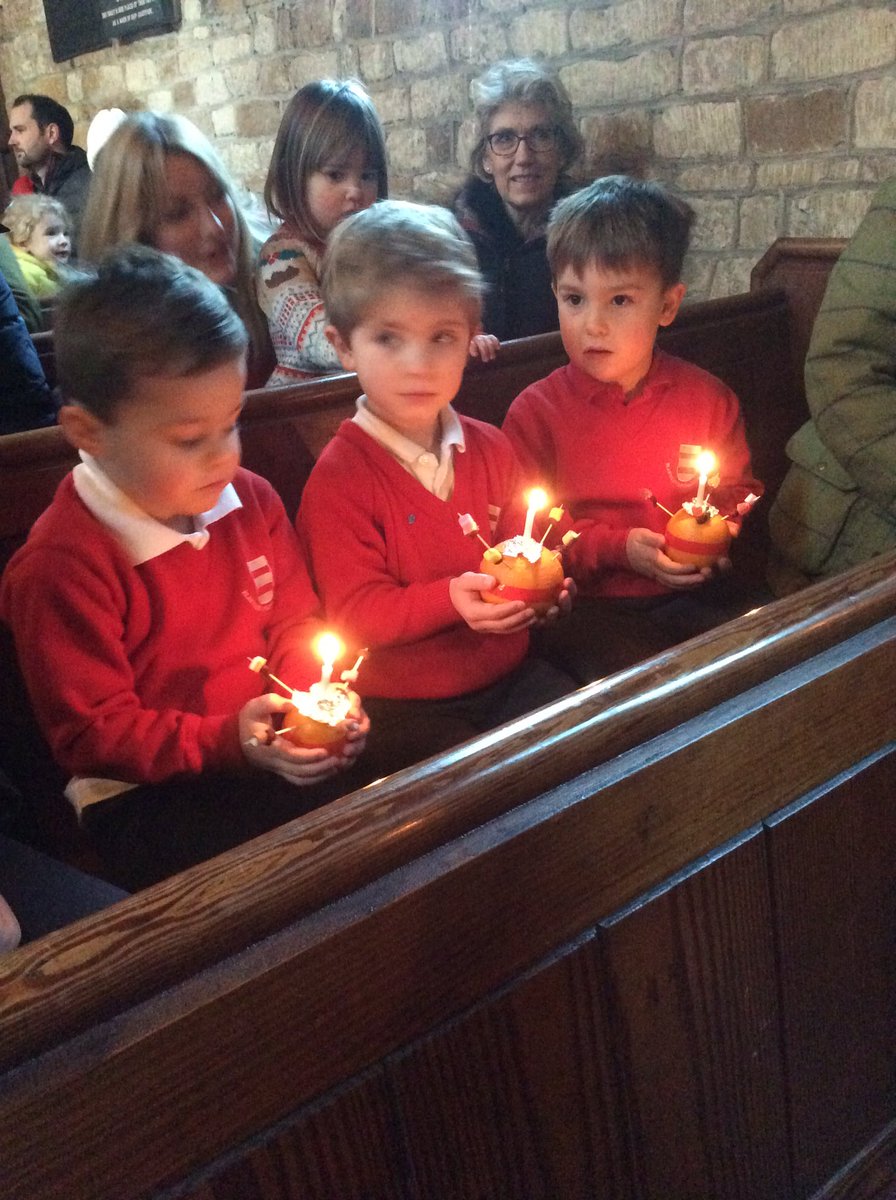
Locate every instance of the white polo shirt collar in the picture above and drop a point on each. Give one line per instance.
(142, 536)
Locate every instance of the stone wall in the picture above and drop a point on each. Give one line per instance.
(773, 117)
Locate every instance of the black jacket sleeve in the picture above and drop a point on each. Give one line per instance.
(26, 401)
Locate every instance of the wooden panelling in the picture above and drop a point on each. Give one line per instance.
(519, 1098)
(182, 925)
(344, 988)
(344, 1148)
(834, 877)
(800, 267)
(696, 1023)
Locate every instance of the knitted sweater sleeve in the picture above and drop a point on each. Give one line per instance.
(851, 365)
(288, 291)
(350, 537)
(67, 618)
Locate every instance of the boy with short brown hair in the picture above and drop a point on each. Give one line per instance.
(379, 513)
(622, 422)
(160, 568)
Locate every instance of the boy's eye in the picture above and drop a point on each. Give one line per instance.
(188, 443)
(370, 177)
(384, 338)
(335, 176)
(177, 212)
(573, 299)
(445, 337)
(621, 300)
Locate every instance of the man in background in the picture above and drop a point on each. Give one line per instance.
(41, 132)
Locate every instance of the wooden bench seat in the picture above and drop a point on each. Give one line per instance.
(638, 945)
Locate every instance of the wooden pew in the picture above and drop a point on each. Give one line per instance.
(640, 945)
(742, 339)
(799, 267)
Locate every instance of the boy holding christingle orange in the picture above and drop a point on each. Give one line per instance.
(158, 571)
(616, 433)
(379, 518)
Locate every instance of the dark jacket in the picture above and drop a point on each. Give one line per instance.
(25, 398)
(518, 301)
(68, 179)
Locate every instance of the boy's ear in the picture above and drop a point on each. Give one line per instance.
(672, 298)
(82, 428)
(341, 346)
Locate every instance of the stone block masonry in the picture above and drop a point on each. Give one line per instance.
(774, 117)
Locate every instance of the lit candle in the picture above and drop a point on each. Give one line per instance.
(537, 499)
(329, 648)
(706, 464)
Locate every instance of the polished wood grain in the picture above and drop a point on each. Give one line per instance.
(696, 1021)
(870, 1176)
(194, 919)
(343, 1147)
(520, 1096)
(586, 955)
(388, 961)
(834, 878)
(800, 267)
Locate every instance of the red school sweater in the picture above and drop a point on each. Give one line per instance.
(596, 451)
(138, 672)
(383, 550)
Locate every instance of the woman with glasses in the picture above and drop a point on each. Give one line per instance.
(527, 140)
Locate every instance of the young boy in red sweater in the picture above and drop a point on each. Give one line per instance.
(379, 513)
(623, 420)
(158, 571)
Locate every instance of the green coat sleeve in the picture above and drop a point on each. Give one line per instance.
(29, 305)
(851, 364)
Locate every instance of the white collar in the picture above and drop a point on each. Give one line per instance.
(142, 536)
(403, 448)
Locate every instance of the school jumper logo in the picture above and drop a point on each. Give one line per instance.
(686, 472)
(263, 578)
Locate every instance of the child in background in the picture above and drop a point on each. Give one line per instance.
(379, 513)
(623, 417)
(329, 160)
(40, 234)
(159, 569)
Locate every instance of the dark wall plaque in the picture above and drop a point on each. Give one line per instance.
(78, 26)
(74, 27)
(135, 18)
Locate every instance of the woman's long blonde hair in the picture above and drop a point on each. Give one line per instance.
(128, 194)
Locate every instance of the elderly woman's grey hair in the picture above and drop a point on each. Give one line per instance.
(524, 81)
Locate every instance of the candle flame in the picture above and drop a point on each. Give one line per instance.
(328, 648)
(705, 462)
(536, 499)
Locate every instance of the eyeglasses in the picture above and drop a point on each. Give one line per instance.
(539, 140)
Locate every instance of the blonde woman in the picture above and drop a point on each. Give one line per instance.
(159, 182)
